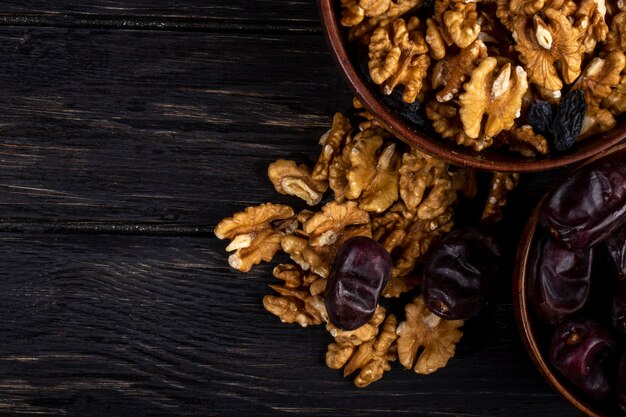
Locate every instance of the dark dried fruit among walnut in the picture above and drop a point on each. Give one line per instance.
(540, 115)
(559, 281)
(563, 125)
(358, 275)
(581, 351)
(588, 206)
(459, 273)
(568, 120)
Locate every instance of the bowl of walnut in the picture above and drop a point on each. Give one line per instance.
(496, 85)
(570, 297)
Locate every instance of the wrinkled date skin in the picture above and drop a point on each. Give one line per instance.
(616, 249)
(581, 350)
(620, 383)
(588, 206)
(459, 272)
(560, 280)
(618, 309)
(357, 277)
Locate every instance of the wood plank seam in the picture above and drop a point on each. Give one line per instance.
(161, 24)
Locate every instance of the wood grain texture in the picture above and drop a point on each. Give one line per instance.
(94, 123)
(268, 13)
(120, 150)
(131, 326)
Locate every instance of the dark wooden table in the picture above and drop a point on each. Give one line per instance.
(127, 130)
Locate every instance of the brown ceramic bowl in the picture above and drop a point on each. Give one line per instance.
(489, 159)
(535, 335)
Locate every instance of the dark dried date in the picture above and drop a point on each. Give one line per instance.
(459, 273)
(559, 281)
(581, 351)
(358, 275)
(588, 206)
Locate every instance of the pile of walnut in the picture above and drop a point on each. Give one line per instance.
(402, 199)
(477, 65)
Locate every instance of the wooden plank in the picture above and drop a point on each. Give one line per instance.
(140, 127)
(130, 326)
(267, 14)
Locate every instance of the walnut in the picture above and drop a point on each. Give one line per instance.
(373, 177)
(596, 121)
(445, 121)
(292, 179)
(461, 22)
(366, 170)
(315, 259)
(299, 300)
(338, 170)
(373, 357)
(389, 229)
(542, 45)
(363, 334)
(327, 227)
(398, 56)
(524, 140)
(429, 334)
(331, 143)
(509, 9)
(315, 246)
(616, 101)
(351, 13)
(496, 94)
(374, 7)
(452, 71)
(397, 8)
(420, 236)
(616, 38)
(398, 285)
(501, 184)
(590, 22)
(600, 77)
(435, 40)
(417, 173)
(253, 235)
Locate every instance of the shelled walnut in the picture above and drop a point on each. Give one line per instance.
(485, 60)
(401, 197)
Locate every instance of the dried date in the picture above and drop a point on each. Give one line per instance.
(588, 206)
(459, 273)
(357, 277)
(559, 281)
(581, 351)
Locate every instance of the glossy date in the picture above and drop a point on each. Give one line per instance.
(588, 206)
(559, 281)
(358, 275)
(581, 351)
(459, 273)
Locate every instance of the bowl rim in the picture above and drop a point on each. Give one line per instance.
(520, 300)
(364, 92)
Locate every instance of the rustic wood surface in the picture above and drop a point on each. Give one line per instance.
(127, 130)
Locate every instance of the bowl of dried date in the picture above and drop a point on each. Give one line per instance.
(570, 296)
(501, 85)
